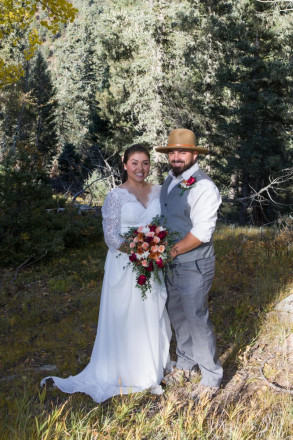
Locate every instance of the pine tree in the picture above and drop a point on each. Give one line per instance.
(26, 228)
(77, 77)
(260, 85)
(29, 112)
(70, 173)
(43, 132)
(78, 74)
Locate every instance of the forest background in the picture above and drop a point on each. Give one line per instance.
(113, 73)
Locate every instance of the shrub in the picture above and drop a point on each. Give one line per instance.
(30, 224)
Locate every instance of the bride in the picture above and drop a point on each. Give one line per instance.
(132, 343)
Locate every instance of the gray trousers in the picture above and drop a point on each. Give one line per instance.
(188, 285)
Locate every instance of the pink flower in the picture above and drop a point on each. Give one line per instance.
(159, 262)
(132, 245)
(144, 263)
(156, 240)
(135, 240)
(154, 248)
(140, 229)
(141, 280)
(161, 249)
(145, 245)
(150, 234)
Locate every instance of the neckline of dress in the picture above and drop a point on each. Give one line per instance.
(136, 199)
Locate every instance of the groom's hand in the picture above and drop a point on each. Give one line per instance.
(174, 251)
(124, 247)
(188, 243)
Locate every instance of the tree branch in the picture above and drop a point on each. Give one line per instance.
(25, 263)
(263, 195)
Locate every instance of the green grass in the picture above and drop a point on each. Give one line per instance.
(49, 314)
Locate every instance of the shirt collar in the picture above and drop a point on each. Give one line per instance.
(186, 174)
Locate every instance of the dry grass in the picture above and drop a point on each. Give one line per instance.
(49, 317)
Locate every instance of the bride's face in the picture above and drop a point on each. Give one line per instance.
(137, 167)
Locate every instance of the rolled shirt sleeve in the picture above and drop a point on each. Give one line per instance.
(204, 200)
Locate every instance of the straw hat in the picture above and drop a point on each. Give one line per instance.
(181, 139)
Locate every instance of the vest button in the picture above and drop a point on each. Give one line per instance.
(165, 204)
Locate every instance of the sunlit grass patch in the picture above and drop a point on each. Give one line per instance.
(259, 416)
(248, 282)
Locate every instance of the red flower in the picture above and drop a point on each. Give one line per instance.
(162, 234)
(153, 228)
(190, 181)
(149, 239)
(150, 267)
(159, 262)
(132, 257)
(141, 280)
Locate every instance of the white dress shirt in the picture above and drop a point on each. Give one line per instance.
(204, 200)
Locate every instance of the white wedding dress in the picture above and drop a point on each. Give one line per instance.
(132, 343)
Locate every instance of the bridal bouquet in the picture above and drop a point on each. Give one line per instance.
(149, 251)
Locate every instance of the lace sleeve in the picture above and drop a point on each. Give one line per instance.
(111, 212)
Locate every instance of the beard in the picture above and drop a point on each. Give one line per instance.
(179, 167)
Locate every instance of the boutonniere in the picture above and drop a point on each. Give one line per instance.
(187, 184)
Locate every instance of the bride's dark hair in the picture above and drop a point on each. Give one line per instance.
(135, 148)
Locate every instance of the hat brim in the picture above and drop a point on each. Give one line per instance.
(167, 149)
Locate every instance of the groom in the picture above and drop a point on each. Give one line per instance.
(189, 203)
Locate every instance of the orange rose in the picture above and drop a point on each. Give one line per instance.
(153, 255)
(140, 250)
(140, 236)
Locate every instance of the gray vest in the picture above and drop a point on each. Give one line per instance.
(176, 215)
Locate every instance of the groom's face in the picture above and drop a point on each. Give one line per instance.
(181, 160)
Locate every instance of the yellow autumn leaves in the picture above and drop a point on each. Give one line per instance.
(18, 36)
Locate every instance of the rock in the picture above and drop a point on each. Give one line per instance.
(288, 346)
(8, 378)
(285, 317)
(289, 343)
(285, 309)
(47, 368)
(286, 305)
